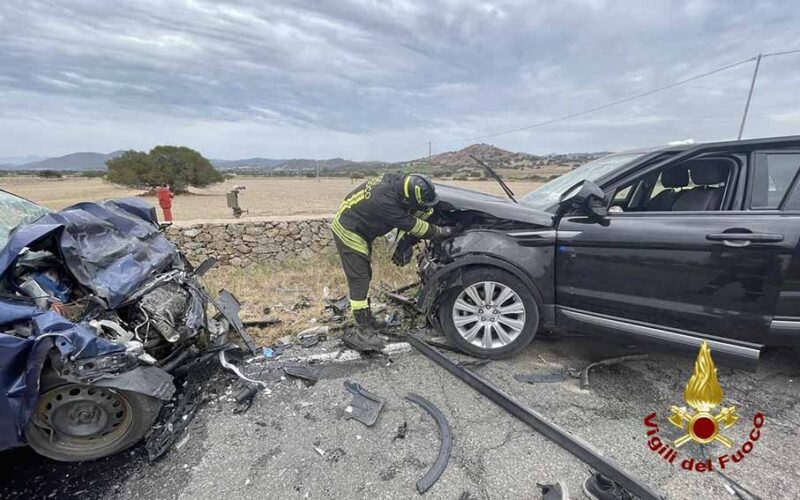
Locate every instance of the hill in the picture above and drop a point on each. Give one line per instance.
(494, 156)
(74, 161)
(298, 165)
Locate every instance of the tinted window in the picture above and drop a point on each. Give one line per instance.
(772, 177)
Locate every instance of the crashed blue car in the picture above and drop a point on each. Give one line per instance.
(97, 310)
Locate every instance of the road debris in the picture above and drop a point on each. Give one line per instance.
(557, 491)
(578, 447)
(338, 306)
(262, 323)
(599, 486)
(365, 406)
(445, 445)
(312, 336)
(228, 366)
(584, 374)
(173, 419)
(303, 302)
(305, 373)
(402, 429)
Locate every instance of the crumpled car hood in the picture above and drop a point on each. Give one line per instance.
(457, 199)
(112, 247)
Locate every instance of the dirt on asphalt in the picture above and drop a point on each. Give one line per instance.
(271, 450)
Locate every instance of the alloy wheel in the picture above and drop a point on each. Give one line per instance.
(489, 315)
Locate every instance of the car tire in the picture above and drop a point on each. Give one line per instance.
(498, 330)
(75, 423)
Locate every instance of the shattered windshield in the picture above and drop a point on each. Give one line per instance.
(547, 196)
(15, 211)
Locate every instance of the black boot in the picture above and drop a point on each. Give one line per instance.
(364, 337)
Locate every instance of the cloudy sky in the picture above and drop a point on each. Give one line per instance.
(378, 79)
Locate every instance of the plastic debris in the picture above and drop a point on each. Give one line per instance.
(365, 406)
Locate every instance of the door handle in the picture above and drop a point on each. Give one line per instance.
(745, 237)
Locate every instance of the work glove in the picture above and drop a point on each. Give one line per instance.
(446, 232)
(404, 251)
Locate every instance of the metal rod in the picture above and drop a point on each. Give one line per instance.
(749, 97)
(578, 447)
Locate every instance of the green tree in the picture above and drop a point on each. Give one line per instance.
(178, 166)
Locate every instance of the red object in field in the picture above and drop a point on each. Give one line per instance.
(165, 196)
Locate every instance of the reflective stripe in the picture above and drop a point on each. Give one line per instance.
(424, 215)
(419, 229)
(359, 304)
(418, 192)
(351, 240)
(405, 186)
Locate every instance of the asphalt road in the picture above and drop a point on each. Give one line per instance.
(271, 451)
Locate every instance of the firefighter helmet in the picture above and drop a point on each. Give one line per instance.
(419, 191)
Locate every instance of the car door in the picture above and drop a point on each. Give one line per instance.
(680, 276)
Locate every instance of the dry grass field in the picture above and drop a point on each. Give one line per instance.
(264, 196)
(279, 286)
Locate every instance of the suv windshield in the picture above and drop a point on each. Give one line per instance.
(15, 211)
(546, 197)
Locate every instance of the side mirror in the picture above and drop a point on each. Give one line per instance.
(584, 198)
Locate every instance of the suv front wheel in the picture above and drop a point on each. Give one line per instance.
(493, 315)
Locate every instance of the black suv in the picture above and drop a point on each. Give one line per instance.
(675, 245)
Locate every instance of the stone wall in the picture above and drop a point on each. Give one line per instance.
(244, 242)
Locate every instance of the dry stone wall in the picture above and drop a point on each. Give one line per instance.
(245, 242)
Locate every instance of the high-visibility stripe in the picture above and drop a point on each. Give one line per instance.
(359, 304)
(351, 240)
(406, 183)
(424, 215)
(419, 229)
(418, 192)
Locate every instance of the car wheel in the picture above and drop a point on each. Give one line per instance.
(73, 423)
(492, 315)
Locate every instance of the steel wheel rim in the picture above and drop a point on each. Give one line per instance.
(82, 417)
(489, 315)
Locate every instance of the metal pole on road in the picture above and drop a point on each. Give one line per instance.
(749, 97)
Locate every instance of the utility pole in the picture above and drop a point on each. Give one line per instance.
(429, 150)
(316, 163)
(749, 97)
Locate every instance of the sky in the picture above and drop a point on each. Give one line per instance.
(379, 79)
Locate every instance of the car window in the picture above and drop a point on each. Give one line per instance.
(15, 211)
(773, 175)
(548, 195)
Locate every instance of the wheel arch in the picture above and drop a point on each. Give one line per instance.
(450, 276)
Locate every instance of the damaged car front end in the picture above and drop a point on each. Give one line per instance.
(480, 287)
(97, 310)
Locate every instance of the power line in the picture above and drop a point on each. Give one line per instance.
(608, 105)
(613, 103)
(783, 53)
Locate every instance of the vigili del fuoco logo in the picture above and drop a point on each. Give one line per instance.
(704, 422)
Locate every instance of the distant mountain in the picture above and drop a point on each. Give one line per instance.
(74, 161)
(247, 163)
(19, 160)
(294, 165)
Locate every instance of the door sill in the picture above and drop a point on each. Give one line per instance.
(724, 350)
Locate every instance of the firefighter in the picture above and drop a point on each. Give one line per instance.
(389, 201)
(165, 195)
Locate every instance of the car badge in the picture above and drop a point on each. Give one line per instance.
(703, 393)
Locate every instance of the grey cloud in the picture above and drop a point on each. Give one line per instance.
(375, 79)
